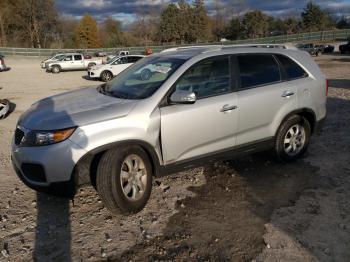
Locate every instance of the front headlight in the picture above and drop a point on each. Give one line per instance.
(44, 138)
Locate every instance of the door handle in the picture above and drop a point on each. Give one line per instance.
(287, 93)
(226, 108)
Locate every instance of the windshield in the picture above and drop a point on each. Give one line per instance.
(112, 60)
(142, 79)
(58, 57)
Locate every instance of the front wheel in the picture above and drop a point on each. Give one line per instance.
(106, 76)
(292, 138)
(124, 179)
(56, 69)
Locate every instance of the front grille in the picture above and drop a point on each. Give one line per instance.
(19, 134)
(34, 172)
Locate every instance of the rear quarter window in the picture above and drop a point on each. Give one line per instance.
(292, 69)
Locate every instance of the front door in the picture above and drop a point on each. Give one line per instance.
(207, 126)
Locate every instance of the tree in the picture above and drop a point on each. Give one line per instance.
(66, 28)
(234, 29)
(111, 33)
(5, 14)
(86, 34)
(343, 23)
(315, 19)
(255, 24)
(218, 21)
(200, 21)
(168, 27)
(291, 25)
(35, 20)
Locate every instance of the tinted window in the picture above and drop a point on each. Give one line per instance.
(68, 58)
(77, 57)
(292, 69)
(133, 59)
(207, 78)
(122, 60)
(258, 70)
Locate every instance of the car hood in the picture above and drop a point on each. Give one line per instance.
(76, 108)
(97, 67)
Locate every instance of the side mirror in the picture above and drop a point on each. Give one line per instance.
(183, 97)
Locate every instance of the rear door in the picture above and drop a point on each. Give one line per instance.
(208, 125)
(263, 96)
(78, 62)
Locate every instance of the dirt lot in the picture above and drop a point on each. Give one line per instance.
(253, 208)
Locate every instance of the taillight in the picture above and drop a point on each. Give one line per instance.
(327, 85)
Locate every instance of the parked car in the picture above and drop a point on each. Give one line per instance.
(3, 66)
(344, 49)
(113, 67)
(203, 104)
(100, 54)
(310, 48)
(325, 48)
(117, 53)
(74, 61)
(55, 57)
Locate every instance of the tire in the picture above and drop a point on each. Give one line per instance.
(298, 142)
(106, 76)
(56, 69)
(146, 74)
(91, 65)
(112, 186)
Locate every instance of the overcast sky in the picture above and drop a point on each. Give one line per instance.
(126, 11)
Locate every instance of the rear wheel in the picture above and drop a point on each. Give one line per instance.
(293, 138)
(124, 179)
(106, 76)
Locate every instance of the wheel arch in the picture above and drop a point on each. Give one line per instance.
(85, 169)
(307, 113)
(106, 70)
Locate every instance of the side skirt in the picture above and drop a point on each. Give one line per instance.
(232, 153)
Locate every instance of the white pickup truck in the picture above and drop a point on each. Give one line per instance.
(73, 61)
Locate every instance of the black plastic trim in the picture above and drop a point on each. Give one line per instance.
(234, 152)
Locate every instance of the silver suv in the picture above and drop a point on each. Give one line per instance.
(168, 112)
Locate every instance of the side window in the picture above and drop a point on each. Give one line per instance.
(77, 57)
(133, 59)
(207, 78)
(68, 58)
(123, 60)
(256, 70)
(292, 69)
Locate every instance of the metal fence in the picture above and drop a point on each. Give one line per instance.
(322, 36)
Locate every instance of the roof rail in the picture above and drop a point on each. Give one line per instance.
(283, 46)
(190, 47)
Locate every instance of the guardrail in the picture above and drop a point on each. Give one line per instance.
(322, 36)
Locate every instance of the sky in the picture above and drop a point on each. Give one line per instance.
(127, 11)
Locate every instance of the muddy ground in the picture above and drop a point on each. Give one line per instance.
(253, 208)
